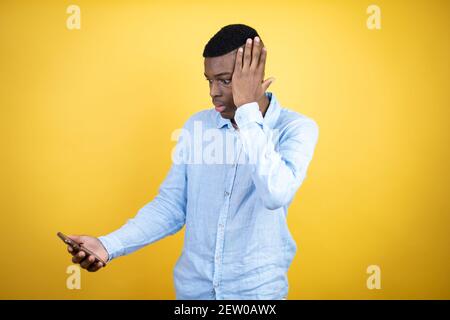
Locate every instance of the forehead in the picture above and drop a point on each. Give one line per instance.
(220, 64)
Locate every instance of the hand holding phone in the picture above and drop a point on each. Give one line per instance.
(86, 251)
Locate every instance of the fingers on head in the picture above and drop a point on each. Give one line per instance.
(239, 54)
(262, 59)
(256, 52)
(248, 52)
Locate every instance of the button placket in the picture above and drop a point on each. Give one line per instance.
(220, 237)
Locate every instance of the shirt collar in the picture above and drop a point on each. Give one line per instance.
(270, 118)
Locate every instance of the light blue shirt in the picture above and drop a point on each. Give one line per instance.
(231, 189)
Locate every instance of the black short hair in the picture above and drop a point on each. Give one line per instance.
(228, 39)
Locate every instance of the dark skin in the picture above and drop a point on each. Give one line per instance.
(237, 78)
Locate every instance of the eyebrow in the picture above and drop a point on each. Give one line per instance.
(219, 74)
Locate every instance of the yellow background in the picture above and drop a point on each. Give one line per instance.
(86, 118)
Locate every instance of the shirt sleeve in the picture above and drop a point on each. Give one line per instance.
(163, 216)
(277, 174)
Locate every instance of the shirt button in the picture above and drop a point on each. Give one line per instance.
(227, 193)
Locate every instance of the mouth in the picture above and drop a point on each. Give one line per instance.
(219, 107)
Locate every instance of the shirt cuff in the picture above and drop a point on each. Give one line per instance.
(112, 246)
(248, 113)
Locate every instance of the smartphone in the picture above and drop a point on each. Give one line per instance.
(79, 247)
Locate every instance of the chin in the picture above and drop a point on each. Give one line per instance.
(227, 114)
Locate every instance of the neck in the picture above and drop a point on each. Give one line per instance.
(263, 104)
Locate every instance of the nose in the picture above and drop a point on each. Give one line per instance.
(214, 90)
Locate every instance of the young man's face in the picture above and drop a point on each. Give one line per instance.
(219, 71)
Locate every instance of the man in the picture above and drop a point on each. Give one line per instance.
(237, 243)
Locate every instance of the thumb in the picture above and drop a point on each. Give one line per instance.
(267, 83)
(77, 239)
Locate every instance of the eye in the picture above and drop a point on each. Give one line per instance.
(225, 81)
